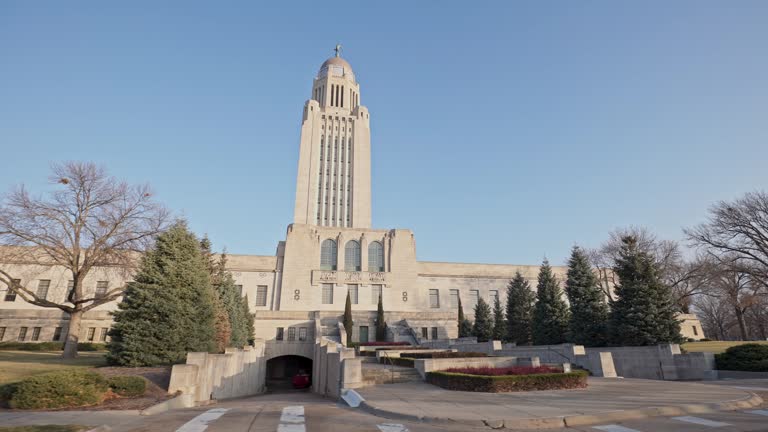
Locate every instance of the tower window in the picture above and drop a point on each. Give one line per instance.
(375, 257)
(328, 254)
(352, 256)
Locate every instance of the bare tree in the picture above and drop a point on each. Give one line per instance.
(738, 230)
(91, 220)
(715, 315)
(681, 276)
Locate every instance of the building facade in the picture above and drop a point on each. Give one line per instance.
(329, 250)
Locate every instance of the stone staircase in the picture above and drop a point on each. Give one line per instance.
(375, 373)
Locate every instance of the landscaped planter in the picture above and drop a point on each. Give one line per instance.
(492, 383)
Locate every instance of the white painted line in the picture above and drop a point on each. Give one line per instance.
(291, 428)
(758, 412)
(614, 428)
(700, 421)
(292, 414)
(201, 422)
(392, 427)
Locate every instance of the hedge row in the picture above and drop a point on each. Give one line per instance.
(446, 354)
(49, 346)
(69, 388)
(747, 357)
(508, 383)
(397, 361)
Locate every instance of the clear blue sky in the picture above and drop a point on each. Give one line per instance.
(501, 132)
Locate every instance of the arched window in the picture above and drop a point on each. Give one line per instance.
(375, 257)
(352, 256)
(328, 255)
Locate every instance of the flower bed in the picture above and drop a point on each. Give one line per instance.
(445, 354)
(499, 371)
(507, 379)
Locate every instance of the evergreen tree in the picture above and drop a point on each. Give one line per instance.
(499, 323)
(483, 328)
(168, 310)
(348, 323)
(643, 312)
(228, 297)
(222, 325)
(589, 312)
(250, 336)
(520, 300)
(381, 325)
(550, 315)
(465, 326)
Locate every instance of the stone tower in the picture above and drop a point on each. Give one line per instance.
(333, 184)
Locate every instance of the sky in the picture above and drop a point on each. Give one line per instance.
(502, 132)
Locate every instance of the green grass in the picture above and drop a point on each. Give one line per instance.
(716, 347)
(45, 428)
(17, 365)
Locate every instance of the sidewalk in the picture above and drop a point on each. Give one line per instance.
(606, 399)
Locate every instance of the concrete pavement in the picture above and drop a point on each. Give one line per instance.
(604, 399)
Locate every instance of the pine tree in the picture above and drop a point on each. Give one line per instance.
(550, 315)
(168, 310)
(250, 336)
(589, 313)
(643, 312)
(348, 323)
(222, 325)
(228, 297)
(499, 323)
(381, 325)
(483, 328)
(520, 300)
(465, 326)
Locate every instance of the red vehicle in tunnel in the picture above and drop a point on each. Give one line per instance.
(301, 380)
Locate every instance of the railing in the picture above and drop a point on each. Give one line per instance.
(391, 365)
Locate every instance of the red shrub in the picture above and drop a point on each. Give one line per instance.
(498, 371)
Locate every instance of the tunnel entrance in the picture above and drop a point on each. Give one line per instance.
(282, 370)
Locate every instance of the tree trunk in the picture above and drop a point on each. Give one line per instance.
(73, 335)
(742, 325)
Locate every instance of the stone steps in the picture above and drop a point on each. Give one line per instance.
(380, 374)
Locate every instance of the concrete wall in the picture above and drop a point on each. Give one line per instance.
(428, 365)
(236, 373)
(335, 368)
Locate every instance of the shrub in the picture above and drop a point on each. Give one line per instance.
(60, 389)
(747, 357)
(31, 346)
(499, 371)
(90, 346)
(128, 386)
(508, 383)
(446, 354)
(397, 361)
(7, 391)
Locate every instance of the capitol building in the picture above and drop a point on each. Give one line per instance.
(329, 250)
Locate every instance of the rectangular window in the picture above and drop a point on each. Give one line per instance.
(239, 289)
(327, 293)
(424, 333)
(261, 295)
(35, 334)
(10, 295)
(695, 332)
(352, 293)
(279, 335)
(302, 333)
(57, 334)
(42, 288)
(474, 296)
(22, 334)
(70, 287)
(91, 334)
(375, 293)
(434, 332)
(2, 333)
(454, 298)
(103, 334)
(101, 288)
(291, 334)
(434, 298)
(494, 296)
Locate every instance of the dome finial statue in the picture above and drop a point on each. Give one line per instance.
(338, 50)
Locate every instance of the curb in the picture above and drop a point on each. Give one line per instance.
(576, 420)
(180, 401)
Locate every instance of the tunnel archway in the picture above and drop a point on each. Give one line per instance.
(282, 369)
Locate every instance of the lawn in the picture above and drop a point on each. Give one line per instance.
(16, 365)
(715, 346)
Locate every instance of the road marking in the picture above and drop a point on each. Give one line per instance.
(614, 428)
(292, 419)
(758, 412)
(392, 427)
(201, 422)
(700, 421)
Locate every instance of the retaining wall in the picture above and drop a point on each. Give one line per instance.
(427, 365)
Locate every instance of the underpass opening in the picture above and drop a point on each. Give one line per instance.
(289, 373)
